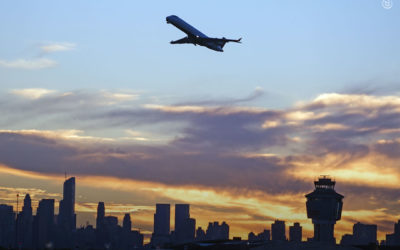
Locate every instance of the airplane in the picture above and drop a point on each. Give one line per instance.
(195, 37)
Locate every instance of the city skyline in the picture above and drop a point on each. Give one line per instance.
(164, 226)
(94, 89)
(47, 229)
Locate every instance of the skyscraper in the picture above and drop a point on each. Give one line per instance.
(324, 207)
(189, 230)
(181, 219)
(44, 224)
(278, 230)
(24, 222)
(100, 216)
(66, 219)
(295, 232)
(7, 226)
(162, 219)
(67, 216)
(161, 231)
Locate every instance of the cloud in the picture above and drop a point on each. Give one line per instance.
(56, 47)
(47, 153)
(40, 63)
(258, 92)
(34, 93)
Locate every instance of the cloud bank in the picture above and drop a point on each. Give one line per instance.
(252, 152)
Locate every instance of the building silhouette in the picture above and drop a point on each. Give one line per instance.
(24, 224)
(184, 225)
(66, 219)
(100, 215)
(162, 219)
(261, 237)
(85, 238)
(181, 216)
(127, 223)
(324, 207)
(43, 225)
(394, 238)
(129, 239)
(108, 234)
(295, 232)
(190, 230)
(363, 235)
(7, 226)
(215, 231)
(278, 231)
(200, 234)
(161, 226)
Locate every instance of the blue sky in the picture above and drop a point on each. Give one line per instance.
(95, 89)
(292, 50)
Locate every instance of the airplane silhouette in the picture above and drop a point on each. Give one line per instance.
(195, 37)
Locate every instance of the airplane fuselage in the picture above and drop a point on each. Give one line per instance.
(196, 37)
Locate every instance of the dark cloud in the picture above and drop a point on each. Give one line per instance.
(230, 131)
(164, 165)
(362, 197)
(371, 88)
(388, 148)
(257, 93)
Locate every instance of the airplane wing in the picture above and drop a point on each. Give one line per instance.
(182, 40)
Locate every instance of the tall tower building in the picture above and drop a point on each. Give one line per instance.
(162, 219)
(181, 219)
(67, 216)
(44, 224)
(324, 207)
(100, 216)
(24, 222)
(161, 230)
(7, 226)
(278, 230)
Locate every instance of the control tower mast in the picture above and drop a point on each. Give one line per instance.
(324, 207)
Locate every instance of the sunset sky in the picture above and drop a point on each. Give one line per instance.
(94, 89)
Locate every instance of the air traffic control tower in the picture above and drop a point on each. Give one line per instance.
(324, 207)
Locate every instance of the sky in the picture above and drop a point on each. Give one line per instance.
(94, 89)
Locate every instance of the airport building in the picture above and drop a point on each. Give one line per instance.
(324, 207)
